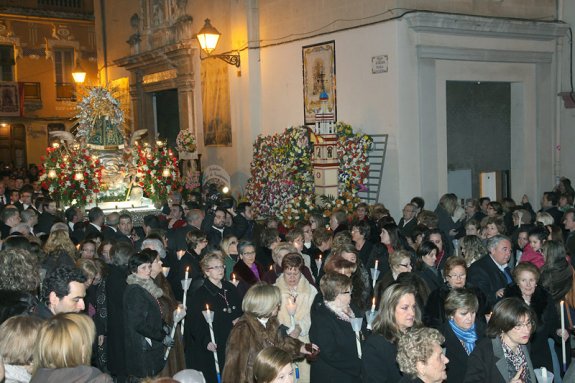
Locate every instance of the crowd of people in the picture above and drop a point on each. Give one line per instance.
(472, 291)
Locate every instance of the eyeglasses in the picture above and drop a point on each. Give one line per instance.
(233, 242)
(527, 324)
(347, 292)
(249, 253)
(217, 268)
(406, 265)
(457, 276)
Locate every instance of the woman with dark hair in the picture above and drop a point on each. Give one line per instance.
(360, 232)
(331, 330)
(398, 312)
(269, 239)
(391, 238)
(532, 252)
(503, 356)
(492, 226)
(223, 299)
(425, 266)
(455, 274)
(187, 260)
(273, 365)
(557, 273)
(360, 279)
(115, 287)
(525, 287)
(462, 331)
(444, 247)
(146, 334)
(494, 209)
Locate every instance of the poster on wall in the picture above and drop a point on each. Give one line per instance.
(318, 79)
(9, 99)
(216, 104)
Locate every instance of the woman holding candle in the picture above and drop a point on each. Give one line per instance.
(256, 329)
(398, 313)
(331, 330)
(462, 331)
(425, 267)
(297, 297)
(222, 298)
(145, 335)
(247, 270)
(399, 262)
(503, 356)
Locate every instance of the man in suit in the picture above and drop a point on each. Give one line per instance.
(243, 226)
(215, 232)
(48, 216)
(25, 201)
(408, 222)
(125, 226)
(549, 202)
(491, 274)
(4, 200)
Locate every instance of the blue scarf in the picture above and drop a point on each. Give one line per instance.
(468, 337)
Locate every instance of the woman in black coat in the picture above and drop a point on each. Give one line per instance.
(455, 274)
(247, 270)
(425, 266)
(145, 336)
(398, 313)
(462, 331)
(547, 320)
(331, 331)
(223, 299)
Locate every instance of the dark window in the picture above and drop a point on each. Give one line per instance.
(64, 65)
(7, 63)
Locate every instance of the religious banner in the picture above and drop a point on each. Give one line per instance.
(318, 80)
(216, 103)
(9, 99)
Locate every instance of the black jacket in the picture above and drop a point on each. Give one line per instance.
(143, 333)
(197, 332)
(485, 275)
(454, 351)
(338, 360)
(115, 287)
(379, 364)
(487, 363)
(434, 312)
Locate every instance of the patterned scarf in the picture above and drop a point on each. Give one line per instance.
(147, 284)
(516, 360)
(343, 314)
(466, 337)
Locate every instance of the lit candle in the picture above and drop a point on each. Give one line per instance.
(186, 285)
(208, 308)
(376, 264)
(373, 305)
(320, 258)
(271, 267)
(563, 351)
(233, 278)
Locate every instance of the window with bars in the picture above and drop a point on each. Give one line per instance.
(64, 65)
(7, 63)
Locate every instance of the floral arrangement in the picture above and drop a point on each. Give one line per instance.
(186, 141)
(98, 103)
(281, 171)
(71, 174)
(191, 181)
(346, 201)
(157, 171)
(352, 151)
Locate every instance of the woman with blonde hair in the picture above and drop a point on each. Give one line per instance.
(60, 240)
(64, 349)
(399, 262)
(398, 312)
(255, 330)
(420, 356)
(229, 248)
(17, 338)
(471, 248)
(273, 365)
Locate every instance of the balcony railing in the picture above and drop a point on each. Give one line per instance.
(32, 91)
(65, 91)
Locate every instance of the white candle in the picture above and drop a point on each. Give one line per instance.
(172, 334)
(358, 344)
(373, 305)
(233, 278)
(544, 374)
(186, 285)
(209, 318)
(563, 351)
(376, 264)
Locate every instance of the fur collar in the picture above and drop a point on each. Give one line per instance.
(539, 298)
(147, 284)
(244, 273)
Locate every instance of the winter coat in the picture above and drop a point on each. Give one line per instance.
(248, 337)
(79, 374)
(143, 332)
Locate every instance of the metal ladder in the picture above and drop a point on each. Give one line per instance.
(376, 158)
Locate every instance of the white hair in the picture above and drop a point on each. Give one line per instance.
(154, 244)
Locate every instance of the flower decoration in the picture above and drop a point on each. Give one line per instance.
(281, 170)
(71, 175)
(99, 103)
(157, 171)
(346, 202)
(186, 141)
(352, 149)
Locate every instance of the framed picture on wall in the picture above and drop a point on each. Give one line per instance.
(318, 80)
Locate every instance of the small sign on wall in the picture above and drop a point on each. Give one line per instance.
(379, 64)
